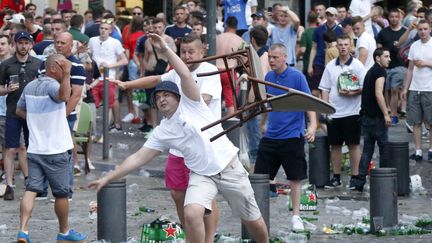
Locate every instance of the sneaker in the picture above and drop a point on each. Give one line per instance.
(128, 118)
(273, 194)
(77, 170)
(297, 223)
(23, 237)
(90, 164)
(394, 120)
(334, 182)
(115, 129)
(409, 128)
(145, 128)
(416, 157)
(41, 196)
(136, 120)
(72, 236)
(356, 183)
(9, 194)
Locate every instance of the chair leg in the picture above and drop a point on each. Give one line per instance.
(86, 164)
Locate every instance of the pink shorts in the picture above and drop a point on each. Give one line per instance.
(176, 173)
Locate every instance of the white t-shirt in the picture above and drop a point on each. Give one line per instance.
(367, 41)
(210, 85)
(183, 132)
(421, 77)
(248, 10)
(106, 51)
(344, 105)
(362, 8)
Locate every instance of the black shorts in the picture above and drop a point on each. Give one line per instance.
(272, 153)
(315, 80)
(345, 129)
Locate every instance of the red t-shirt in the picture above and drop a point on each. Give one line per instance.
(39, 37)
(130, 42)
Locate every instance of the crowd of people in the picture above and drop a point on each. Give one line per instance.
(371, 64)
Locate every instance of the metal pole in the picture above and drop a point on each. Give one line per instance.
(105, 148)
(211, 28)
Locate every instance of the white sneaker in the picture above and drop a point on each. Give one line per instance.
(128, 117)
(297, 223)
(91, 166)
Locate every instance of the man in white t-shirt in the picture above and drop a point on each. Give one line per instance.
(417, 81)
(344, 125)
(176, 172)
(214, 166)
(365, 45)
(108, 52)
(363, 8)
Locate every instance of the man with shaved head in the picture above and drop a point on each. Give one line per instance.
(50, 141)
(63, 44)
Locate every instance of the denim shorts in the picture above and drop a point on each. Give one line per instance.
(395, 77)
(54, 167)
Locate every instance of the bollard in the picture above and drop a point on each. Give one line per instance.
(319, 162)
(383, 196)
(111, 212)
(261, 187)
(396, 155)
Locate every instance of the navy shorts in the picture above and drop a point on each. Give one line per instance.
(54, 168)
(16, 132)
(272, 153)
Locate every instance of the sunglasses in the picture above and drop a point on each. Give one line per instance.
(136, 13)
(22, 69)
(107, 21)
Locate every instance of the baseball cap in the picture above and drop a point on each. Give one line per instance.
(17, 19)
(258, 14)
(23, 35)
(346, 21)
(168, 86)
(332, 11)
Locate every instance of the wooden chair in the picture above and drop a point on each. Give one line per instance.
(255, 99)
(83, 132)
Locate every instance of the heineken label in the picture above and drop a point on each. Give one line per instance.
(348, 81)
(308, 201)
(161, 231)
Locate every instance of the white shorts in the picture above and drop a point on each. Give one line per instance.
(233, 183)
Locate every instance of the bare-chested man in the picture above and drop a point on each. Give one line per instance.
(155, 62)
(228, 42)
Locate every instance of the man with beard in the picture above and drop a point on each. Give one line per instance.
(15, 73)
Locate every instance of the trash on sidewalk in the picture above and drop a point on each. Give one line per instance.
(162, 230)
(2, 189)
(132, 188)
(293, 237)
(146, 210)
(123, 146)
(144, 173)
(330, 201)
(93, 210)
(3, 229)
(308, 199)
(416, 185)
(337, 210)
(360, 214)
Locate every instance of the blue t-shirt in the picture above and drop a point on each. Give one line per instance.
(140, 45)
(283, 125)
(318, 38)
(40, 47)
(175, 32)
(288, 37)
(236, 8)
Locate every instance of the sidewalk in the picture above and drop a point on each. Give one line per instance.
(149, 190)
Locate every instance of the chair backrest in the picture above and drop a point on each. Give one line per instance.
(84, 120)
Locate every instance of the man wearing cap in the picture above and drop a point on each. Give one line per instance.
(177, 174)
(15, 73)
(258, 18)
(317, 54)
(214, 165)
